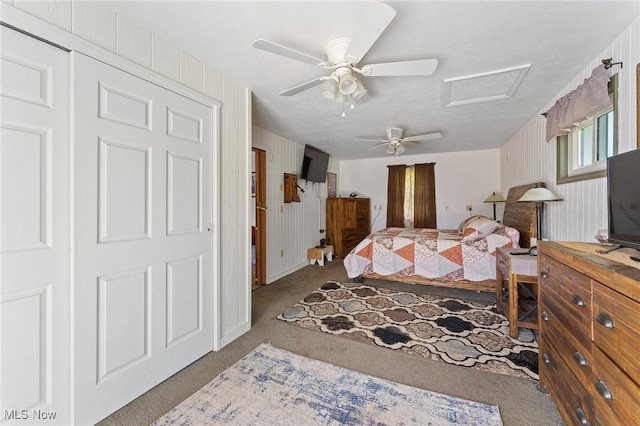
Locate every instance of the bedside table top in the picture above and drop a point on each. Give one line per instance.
(519, 264)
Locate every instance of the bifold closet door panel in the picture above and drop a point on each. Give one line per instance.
(143, 201)
(34, 231)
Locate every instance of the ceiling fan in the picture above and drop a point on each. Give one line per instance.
(344, 53)
(395, 142)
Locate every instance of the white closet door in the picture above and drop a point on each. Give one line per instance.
(143, 202)
(34, 231)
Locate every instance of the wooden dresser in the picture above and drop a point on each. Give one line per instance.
(348, 222)
(590, 333)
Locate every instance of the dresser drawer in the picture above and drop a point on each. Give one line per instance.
(616, 397)
(568, 293)
(575, 355)
(616, 328)
(573, 401)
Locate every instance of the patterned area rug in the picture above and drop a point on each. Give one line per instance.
(271, 386)
(470, 334)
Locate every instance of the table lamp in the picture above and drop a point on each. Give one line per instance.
(539, 196)
(494, 198)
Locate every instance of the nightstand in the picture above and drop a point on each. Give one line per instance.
(517, 288)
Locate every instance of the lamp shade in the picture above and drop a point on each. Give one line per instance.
(494, 198)
(347, 84)
(330, 88)
(538, 195)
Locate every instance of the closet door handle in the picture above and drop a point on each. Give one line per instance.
(544, 315)
(546, 358)
(544, 274)
(605, 320)
(577, 299)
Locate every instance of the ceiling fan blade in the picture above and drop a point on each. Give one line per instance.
(370, 139)
(378, 146)
(374, 20)
(278, 49)
(424, 137)
(417, 67)
(304, 86)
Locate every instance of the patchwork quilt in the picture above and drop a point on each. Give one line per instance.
(430, 253)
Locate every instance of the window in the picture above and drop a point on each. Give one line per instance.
(409, 179)
(582, 154)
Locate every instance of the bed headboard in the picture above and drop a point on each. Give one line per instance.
(521, 216)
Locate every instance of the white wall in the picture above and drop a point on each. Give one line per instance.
(527, 158)
(292, 228)
(462, 178)
(95, 23)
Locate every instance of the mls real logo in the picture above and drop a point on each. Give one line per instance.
(29, 414)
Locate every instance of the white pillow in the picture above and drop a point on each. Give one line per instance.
(465, 222)
(480, 227)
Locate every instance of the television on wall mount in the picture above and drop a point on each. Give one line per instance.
(623, 191)
(314, 165)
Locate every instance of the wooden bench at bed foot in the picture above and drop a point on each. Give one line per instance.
(317, 254)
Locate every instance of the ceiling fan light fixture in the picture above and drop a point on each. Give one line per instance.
(400, 149)
(347, 84)
(330, 87)
(390, 149)
(361, 94)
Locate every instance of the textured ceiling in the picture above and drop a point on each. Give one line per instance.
(469, 38)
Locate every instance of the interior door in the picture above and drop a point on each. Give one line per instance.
(34, 231)
(143, 214)
(261, 215)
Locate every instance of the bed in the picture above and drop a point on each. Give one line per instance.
(458, 258)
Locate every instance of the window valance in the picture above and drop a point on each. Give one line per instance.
(587, 99)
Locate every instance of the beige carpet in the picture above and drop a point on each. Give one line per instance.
(519, 401)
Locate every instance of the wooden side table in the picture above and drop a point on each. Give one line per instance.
(517, 288)
(317, 254)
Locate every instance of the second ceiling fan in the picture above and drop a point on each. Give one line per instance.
(345, 53)
(395, 142)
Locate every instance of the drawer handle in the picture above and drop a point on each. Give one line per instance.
(544, 315)
(605, 320)
(604, 390)
(581, 416)
(577, 299)
(580, 359)
(546, 358)
(544, 274)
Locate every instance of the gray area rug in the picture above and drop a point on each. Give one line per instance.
(271, 386)
(459, 332)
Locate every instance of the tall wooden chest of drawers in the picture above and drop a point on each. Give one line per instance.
(348, 223)
(589, 334)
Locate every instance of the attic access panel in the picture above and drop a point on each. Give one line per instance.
(501, 84)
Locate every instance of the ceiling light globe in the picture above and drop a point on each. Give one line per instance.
(347, 84)
(330, 88)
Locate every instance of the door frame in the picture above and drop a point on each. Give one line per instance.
(260, 213)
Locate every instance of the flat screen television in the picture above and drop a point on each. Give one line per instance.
(314, 165)
(623, 185)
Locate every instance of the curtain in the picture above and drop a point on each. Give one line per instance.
(587, 99)
(395, 196)
(424, 201)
